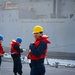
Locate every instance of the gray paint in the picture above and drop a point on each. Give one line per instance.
(60, 30)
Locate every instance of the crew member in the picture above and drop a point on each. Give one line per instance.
(16, 54)
(38, 51)
(1, 48)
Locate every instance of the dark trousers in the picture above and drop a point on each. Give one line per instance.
(17, 65)
(38, 69)
(0, 60)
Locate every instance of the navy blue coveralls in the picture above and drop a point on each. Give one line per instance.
(37, 66)
(17, 67)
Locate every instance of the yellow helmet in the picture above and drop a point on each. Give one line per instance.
(37, 29)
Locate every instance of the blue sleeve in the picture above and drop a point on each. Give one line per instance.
(38, 51)
(17, 48)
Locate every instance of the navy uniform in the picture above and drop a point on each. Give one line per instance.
(1, 49)
(16, 54)
(37, 53)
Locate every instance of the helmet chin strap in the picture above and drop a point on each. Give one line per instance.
(41, 34)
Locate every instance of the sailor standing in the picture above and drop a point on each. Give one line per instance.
(16, 54)
(38, 51)
(1, 49)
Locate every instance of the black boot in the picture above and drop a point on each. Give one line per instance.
(20, 74)
(15, 73)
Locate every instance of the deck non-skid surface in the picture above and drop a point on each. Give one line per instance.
(7, 67)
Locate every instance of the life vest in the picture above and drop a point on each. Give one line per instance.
(37, 42)
(12, 50)
(1, 49)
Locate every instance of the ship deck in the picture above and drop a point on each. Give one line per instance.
(7, 67)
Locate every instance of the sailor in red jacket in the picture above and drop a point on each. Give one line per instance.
(38, 51)
(16, 54)
(1, 48)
